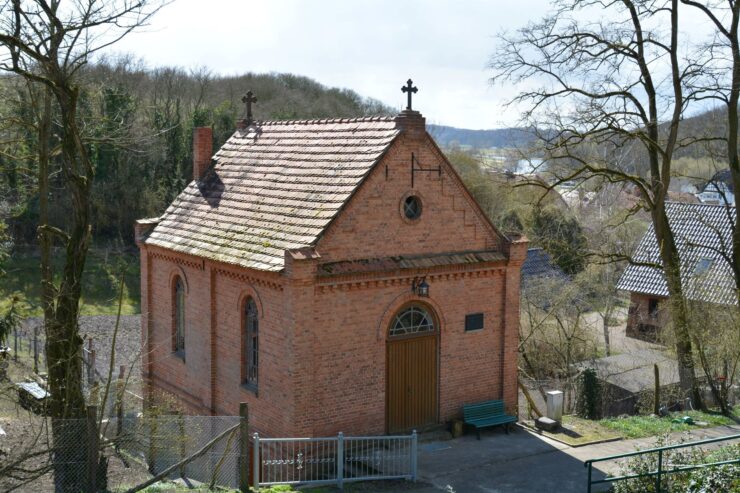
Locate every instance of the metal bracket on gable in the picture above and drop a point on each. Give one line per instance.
(414, 169)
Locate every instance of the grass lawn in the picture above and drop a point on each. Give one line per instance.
(577, 432)
(646, 426)
(100, 282)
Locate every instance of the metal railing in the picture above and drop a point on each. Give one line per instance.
(333, 460)
(661, 468)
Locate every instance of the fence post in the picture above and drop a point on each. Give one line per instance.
(153, 430)
(414, 456)
(660, 471)
(92, 448)
(256, 461)
(36, 348)
(120, 390)
(588, 489)
(340, 460)
(91, 362)
(244, 447)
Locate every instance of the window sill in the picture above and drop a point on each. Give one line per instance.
(473, 331)
(180, 354)
(250, 387)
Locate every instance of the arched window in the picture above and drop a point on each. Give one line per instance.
(412, 320)
(251, 343)
(179, 316)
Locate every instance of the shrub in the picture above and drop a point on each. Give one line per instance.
(588, 404)
(725, 478)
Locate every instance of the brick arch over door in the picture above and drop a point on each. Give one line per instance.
(412, 369)
(403, 299)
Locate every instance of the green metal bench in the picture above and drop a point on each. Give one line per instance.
(485, 414)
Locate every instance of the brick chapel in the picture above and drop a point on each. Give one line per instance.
(334, 274)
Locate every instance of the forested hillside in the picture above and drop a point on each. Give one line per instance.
(481, 139)
(138, 123)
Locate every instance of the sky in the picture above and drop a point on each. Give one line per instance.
(369, 46)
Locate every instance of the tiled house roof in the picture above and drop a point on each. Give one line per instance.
(703, 233)
(537, 266)
(274, 186)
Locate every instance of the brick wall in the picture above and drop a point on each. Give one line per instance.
(372, 225)
(322, 342)
(641, 324)
(202, 383)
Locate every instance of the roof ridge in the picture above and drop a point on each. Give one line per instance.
(679, 203)
(359, 119)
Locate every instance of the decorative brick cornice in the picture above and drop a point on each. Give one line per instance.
(272, 280)
(177, 258)
(389, 279)
(250, 276)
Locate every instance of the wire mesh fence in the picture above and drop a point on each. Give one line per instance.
(116, 455)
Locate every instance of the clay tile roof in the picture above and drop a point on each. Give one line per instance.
(274, 186)
(703, 235)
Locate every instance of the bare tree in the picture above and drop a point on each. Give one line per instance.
(721, 82)
(606, 85)
(47, 42)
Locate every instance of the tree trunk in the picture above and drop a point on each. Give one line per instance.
(607, 343)
(63, 342)
(679, 309)
(45, 242)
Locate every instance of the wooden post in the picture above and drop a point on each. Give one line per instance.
(36, 348)
(92, 448)
(656, 392)
(90, 362)
(120, 389)
(244, 448)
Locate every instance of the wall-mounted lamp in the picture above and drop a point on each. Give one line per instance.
(420, 287)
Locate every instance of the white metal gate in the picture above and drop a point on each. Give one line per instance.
(333, 460)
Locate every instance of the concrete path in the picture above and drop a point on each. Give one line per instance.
(524, 462)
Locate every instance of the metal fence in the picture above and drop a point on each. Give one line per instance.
(662, 469)
(116, 454)
(96, 453)
(333, 460)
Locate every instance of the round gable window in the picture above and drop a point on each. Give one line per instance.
(412, 207)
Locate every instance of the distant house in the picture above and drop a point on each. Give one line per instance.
(538, 266)
(624, 377)
(542, 281)
(719, 190)
(703, 236)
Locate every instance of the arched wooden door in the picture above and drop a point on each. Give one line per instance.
(412, 370)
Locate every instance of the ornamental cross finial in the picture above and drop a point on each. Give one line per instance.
(248, 99)
(410, 89)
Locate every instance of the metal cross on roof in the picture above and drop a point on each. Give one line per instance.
(409, 88)
(248, 99)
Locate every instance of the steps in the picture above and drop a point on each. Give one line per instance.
(437, 433)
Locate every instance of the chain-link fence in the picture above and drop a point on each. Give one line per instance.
(120, 454)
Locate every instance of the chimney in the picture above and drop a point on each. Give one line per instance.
(411, 123)
(202, 150)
